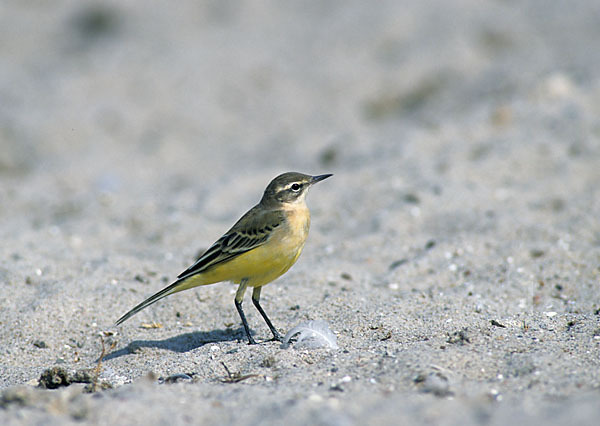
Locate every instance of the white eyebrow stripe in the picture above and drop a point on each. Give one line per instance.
(289, 185)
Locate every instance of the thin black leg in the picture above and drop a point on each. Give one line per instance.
(239, 299)
(238, 305)
(255, 300)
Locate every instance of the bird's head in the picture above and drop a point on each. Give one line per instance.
(290, 188)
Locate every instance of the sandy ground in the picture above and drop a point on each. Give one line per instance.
(455, 253)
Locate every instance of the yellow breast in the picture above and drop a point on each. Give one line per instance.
(269, 261)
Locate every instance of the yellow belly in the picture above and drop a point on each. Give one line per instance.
(259, 266)
(263, 264)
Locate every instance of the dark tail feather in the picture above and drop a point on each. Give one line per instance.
(149, 301)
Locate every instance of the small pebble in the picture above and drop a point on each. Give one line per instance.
(435, 383)
(536, 253)
(497, 324)
(397, 263)
(175, 378)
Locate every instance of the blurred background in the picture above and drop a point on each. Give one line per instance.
(464, 137)
(200, 90)
(145, 117)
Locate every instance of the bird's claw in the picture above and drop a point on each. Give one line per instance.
(276, 338)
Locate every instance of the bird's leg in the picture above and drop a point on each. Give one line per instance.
(255, 300)
(239, 298)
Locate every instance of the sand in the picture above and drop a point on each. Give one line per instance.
(455, 253)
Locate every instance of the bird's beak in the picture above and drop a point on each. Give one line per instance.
(315, 179)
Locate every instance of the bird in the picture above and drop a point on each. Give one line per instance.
(260, 247)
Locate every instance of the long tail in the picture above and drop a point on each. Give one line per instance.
(173, 288)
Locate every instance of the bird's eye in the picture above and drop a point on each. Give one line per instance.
(295, 187)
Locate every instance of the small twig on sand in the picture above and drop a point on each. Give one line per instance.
(98, 368)
(235, 377)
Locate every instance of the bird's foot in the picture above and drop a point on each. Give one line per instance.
(276, 337)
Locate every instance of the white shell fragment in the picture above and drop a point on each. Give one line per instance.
(311, 335)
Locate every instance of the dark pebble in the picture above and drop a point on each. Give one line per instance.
(53, 378)
(397, 263)
(429, 244)
(461, 337)
(535, 253)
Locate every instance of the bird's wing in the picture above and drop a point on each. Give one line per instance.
(251, 231)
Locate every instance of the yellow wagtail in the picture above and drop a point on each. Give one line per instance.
(260, 247)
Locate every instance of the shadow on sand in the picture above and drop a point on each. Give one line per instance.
(181, 343)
